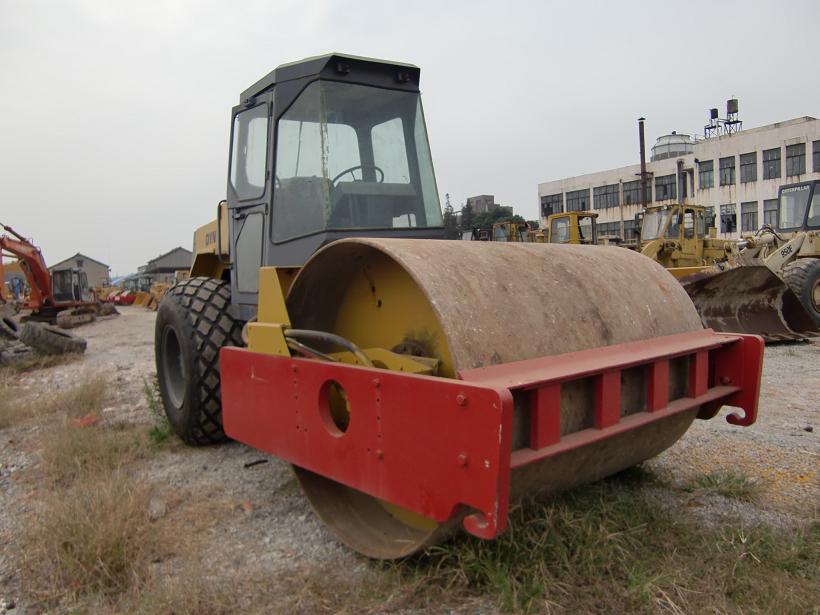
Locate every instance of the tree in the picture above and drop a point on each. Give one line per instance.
(467, 218)
(450, 223)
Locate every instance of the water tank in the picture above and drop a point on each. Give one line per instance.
(672, 146)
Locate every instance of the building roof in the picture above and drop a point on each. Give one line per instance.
(154, 265)
(168, 253)
(75, 257)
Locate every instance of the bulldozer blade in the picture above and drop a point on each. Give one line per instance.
(749, 299)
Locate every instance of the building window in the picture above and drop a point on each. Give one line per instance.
(578, 200)
(796, 159)
(770, 212)
(727, 171)
(552, 204)
(706, 174)
(748, 168)
(771, 163)
(728, 218)
(631, 230)
(748, 216)
(816, 156)
(665, 188)
(80, 263)
(632, 192)
(709, 213)
(605, 196)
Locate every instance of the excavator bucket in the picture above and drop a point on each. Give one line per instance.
(749, 299)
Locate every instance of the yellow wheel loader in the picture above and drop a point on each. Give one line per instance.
(792, 250)
(328, 323)
(771, 286)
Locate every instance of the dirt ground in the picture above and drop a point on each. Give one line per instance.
(256, 523)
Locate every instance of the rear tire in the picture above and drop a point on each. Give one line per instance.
(193, 323)
(803, 278)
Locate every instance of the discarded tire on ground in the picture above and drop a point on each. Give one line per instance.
(46, 339)
(193, 323)
(8, 329)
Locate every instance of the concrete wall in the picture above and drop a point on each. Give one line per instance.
(801, 130)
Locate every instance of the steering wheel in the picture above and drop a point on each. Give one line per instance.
(358, 166)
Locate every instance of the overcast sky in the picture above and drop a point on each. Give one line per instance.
(114, 116)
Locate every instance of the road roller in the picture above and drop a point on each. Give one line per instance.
(417, 386)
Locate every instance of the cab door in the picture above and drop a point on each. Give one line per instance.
(249, 189)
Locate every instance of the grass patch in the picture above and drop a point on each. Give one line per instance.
(37, 362)
(94, 538)
(727, 483)
(70, 452)
(610, 547)
(161, 429)
(85, 397)
(8, 414)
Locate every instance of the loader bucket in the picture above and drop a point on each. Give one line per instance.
(589, 364)
(749, 299)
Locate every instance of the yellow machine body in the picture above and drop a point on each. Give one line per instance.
(211, 254)
(573, 227)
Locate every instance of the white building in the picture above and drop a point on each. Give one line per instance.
(736, 175)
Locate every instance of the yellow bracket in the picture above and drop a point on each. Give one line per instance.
(385, 359)
(267, 334)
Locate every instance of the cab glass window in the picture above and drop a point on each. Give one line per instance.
(352, 157)
(249, 152)
(559, 233)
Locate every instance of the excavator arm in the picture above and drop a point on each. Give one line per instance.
(32, 264)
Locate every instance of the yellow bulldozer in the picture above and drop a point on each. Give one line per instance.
(508, 231)
(327, 322)
(574, 227)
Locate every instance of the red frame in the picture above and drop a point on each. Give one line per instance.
(436, 445)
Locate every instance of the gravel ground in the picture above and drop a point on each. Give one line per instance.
(262, 526)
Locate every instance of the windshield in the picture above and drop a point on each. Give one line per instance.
(653, 224)
(585, 229)
(793, 202)
(351, 156)
(559, 233)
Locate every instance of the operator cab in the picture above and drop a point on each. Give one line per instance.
(70, 285)
(799, 207)
(673, 222)
(326, 148)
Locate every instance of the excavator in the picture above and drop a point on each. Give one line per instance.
(50, 294)
(327, 322)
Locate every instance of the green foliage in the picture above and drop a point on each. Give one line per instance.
(450, 223)
(614, 546)
(161, 429)
(467, 217)
(726, 483)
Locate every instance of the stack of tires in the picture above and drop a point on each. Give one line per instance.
(19, 342)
